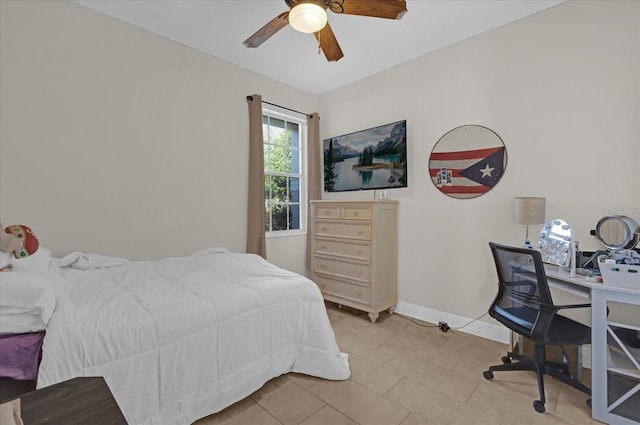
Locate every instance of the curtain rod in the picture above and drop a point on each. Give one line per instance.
(283, 107)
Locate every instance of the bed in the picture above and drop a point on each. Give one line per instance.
(178, 339)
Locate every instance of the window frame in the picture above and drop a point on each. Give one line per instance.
(278, 113)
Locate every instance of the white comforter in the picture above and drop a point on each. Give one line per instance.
(180, 338)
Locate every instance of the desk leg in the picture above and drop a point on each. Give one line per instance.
(598, 355)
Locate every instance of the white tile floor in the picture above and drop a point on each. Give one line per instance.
(406, 374)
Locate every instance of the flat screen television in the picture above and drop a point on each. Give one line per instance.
(375, 158)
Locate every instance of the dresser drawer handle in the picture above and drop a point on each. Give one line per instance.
(323, 229)
(323, 247)
(355, 213)
(359, 294)
(322, 265)
(359, 232)
(360, 252)
(359, 272)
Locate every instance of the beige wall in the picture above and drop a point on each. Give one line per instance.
(120, 142)
(116, 141)
(562, 89)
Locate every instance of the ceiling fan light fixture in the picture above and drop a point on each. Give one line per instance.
(308, 17)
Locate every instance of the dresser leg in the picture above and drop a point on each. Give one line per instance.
(373, 317)
(392, 309)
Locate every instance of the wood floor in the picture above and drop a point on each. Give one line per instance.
(403, 373)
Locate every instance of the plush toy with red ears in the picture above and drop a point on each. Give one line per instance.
(16, 241)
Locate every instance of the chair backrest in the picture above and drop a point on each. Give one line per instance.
(522, 287)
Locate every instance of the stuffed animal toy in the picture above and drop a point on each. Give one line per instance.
(8, 244)
(8, 241)
(18, 240)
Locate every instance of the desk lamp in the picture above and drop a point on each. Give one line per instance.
(528, 210)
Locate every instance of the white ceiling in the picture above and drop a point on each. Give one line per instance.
(370, 45)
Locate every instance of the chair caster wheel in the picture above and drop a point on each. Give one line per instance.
(589, 402)
(539, 406)
(506, 359)
(488, 375)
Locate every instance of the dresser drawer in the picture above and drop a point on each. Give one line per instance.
(347, 212)
(351, 270)
(356, 212)
(327, 211)
(346, 290)
(353, 230)
(360, 250)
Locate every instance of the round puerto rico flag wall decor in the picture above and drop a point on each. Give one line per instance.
(467, 161)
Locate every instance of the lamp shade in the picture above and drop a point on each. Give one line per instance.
(308, 17)
(529, 210)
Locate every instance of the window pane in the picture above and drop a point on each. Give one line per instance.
(295, 161)
(267, 162)
(294, 189)
(278, 188)
(271, 154)
(279, 217)
(267, 217)
(278, 137)
(294, 216)
(287, 160)
(276, 122)
(279, 161)
(294, 129)
(267, 187)
(265, 129)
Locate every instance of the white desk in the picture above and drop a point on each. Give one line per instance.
(615, 386)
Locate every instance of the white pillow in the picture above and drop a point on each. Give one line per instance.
(39, 260)
(27, 301)
(6, 258)
(21, 323)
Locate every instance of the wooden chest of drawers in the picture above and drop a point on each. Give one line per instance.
(354, 259)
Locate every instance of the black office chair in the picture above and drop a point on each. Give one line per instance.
(524, 305)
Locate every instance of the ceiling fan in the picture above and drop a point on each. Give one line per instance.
(310, 16)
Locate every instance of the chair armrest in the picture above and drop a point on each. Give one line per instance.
(547, 311)
(523, 282)
(562, 307)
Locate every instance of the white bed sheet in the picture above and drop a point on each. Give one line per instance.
(180, 338)
(27, 301)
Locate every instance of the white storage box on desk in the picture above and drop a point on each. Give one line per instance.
(620, 275)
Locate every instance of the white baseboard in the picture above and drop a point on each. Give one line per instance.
(495, 332)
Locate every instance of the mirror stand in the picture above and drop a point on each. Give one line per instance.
(573, 266)
(574, 255)
(557, 245)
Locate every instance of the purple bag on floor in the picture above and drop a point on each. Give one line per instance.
(20, 355)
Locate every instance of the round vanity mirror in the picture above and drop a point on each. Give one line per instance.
(554, 242)
(618, 232)
(467, 161)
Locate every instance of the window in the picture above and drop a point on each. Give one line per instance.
(284, 180)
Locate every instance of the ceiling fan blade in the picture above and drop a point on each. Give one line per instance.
(390, 9)
(329, 44)
(272, 27)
